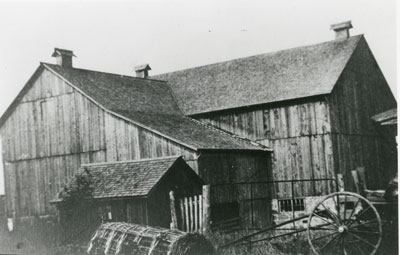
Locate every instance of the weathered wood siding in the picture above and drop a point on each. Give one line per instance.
(360, 93)
(299, 134)
(55, 129)
(223, 169)
(126, 141)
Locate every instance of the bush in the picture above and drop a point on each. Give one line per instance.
(75, 196)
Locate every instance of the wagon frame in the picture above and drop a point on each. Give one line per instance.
(341, 222)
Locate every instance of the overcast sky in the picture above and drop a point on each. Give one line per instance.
(174, 35)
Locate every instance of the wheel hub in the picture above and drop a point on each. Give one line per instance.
(342, 229)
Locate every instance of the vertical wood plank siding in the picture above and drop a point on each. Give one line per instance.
(54, 130)
(360, 93)
(299, 135)
(218, 168)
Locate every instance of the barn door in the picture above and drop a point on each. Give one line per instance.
(191, 214)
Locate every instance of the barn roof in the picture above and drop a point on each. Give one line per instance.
(115, 91)
(124, 179)
(150, 104)
(195, 133)
(277, 76)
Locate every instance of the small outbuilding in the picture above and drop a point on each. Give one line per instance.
(130, 191)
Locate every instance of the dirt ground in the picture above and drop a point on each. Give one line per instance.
(14, 243)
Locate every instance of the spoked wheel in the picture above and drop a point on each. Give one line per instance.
(344, 223)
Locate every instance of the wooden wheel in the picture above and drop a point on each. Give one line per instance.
(344, 223)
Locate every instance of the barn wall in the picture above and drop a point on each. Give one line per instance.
(360, 93)
(55, 129)
(299, 134)
(222, 169)
(51, 132)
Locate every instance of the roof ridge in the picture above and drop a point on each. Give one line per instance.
(131, 161)
(252, 56)
(115, 74)
(348, 60)
(227, 133)
(174, 98)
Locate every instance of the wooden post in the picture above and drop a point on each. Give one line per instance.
(201, 213)
(187, 214)
(174, 219)
(206, 208)
(191, 214)
(356, 181)
(340, 182)
(182, 215)
(361, 174)
(196, 214)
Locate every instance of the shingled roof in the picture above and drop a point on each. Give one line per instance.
(278, 76)
(191, 132)
(124, 179)
(122, 92)
(150, 104)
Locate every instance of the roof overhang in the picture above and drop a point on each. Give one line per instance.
(113, 198)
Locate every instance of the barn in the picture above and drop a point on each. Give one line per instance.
(273, 127)
(66, 117)
(312, 105)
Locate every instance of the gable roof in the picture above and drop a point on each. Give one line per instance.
(144, 102)
(272, 77)
(151, 105)
(124, 179)
(121, 92)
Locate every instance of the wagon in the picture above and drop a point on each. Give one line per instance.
(340, 223)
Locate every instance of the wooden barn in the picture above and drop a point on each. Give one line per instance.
(297, 114)
(127, 191)
(65, 117)
(312, 105)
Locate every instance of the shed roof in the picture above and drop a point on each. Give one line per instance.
(124, 179)
(192, 132)
(277, 76)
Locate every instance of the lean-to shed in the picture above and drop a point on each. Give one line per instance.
(134, 191)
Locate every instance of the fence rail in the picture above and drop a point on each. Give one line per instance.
(268, 190)
(191, 214)
(292, 187)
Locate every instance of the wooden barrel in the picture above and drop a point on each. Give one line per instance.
(126, 238)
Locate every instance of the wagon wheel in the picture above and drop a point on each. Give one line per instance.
(344, 223)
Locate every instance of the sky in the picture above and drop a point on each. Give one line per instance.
(173, 35)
